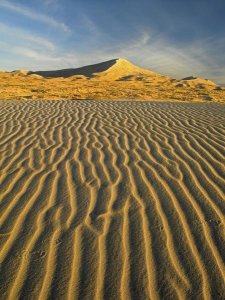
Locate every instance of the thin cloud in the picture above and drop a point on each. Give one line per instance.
(90, 25)
(23, 35)
(49, 2)
(33, 15)
(31, 53)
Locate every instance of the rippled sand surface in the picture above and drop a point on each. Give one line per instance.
(105, 200)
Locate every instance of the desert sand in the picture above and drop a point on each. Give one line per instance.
(112, 200)
(116, 79)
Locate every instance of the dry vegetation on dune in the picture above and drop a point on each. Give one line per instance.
(111, 200)
(116, 80)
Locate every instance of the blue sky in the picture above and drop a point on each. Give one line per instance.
(172, 37)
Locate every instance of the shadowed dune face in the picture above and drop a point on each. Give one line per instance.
(103, 200)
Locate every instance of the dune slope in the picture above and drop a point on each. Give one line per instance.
(112, 200)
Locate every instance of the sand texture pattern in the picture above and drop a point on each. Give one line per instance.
(112, 200)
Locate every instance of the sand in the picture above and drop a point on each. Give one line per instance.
(112, 200)
(116, 79)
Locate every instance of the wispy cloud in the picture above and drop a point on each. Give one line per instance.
(33, 15)
(53, 5)
(50, 2)
(31, 53)
(17, 34)
(90, 25)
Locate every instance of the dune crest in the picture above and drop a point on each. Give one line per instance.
(122, 68)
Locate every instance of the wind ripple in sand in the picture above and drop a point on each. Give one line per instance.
(105, 200)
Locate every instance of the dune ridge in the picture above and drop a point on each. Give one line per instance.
(112, 200)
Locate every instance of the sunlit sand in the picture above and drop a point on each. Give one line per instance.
(112, 200)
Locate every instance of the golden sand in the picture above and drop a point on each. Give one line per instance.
(116, 79)
(112, 200)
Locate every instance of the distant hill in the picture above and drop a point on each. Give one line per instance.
(114, 79)
(193, 81)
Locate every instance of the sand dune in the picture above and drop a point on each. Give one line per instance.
(113, 68)
(112, 200)
(116, 79)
